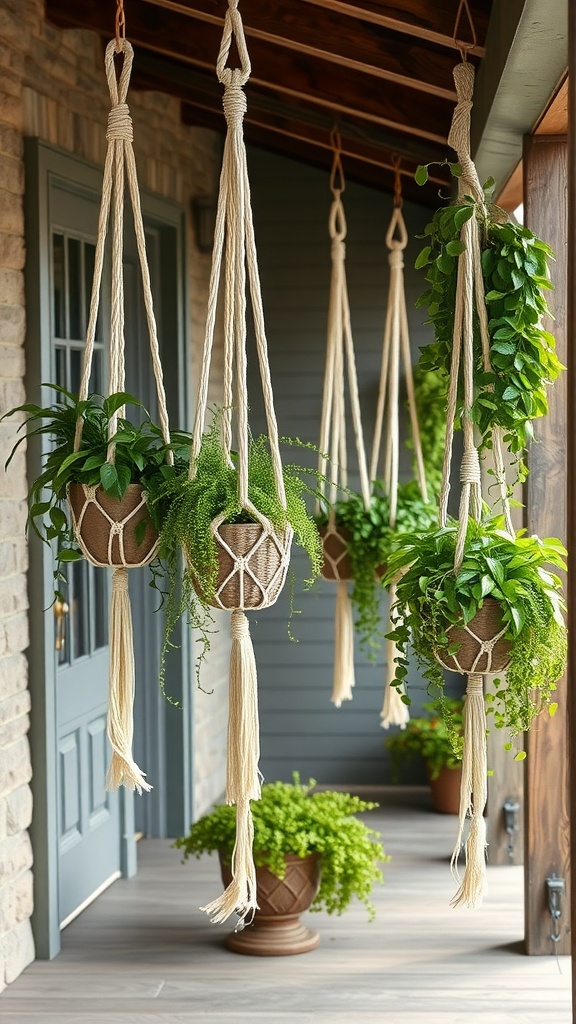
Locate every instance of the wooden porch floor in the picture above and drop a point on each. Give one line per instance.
(143, 953)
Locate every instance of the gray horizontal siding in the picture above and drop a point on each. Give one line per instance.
(300, 729)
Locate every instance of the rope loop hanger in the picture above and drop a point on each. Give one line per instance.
(395, 350)
(340, 365)
(105, 527)
(234, 267)
(470, 304)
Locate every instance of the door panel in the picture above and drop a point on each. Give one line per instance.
(89, 828)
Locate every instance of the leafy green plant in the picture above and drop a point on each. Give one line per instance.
(431, 391)
(140, 453)
(186, 508)
(369, 546)
(292, 819)
(515, 571)
(515, 273)
(435, 739)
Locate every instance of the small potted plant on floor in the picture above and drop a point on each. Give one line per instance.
(311, 851)
(436, 740)
(501, 611)
(370, 539)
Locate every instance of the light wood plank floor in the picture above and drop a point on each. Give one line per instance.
(143, 953)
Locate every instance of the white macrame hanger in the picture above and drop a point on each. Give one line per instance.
(396, 350)
(120, 166)
(470, 300)
(340, 366)
(234, 251)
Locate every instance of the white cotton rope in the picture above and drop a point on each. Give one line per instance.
(340, 366)
(470, 301)
(234, 259)
(119, 169)
(395, 350)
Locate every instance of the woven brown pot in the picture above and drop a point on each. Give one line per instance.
(95, 531)
(486, 624)
(276, 929)
(445, 789)
(336, 545)
(264, 563)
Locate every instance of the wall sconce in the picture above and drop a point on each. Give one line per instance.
(204, 219)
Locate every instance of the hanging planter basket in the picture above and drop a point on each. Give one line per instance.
(252, 566)
(109, 530)
(482, 644)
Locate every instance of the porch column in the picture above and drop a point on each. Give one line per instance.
(547, 765)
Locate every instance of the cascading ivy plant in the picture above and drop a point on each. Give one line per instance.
(515, 571)
(371, 539)
(515, 273)
(184, 510)
(292, 819)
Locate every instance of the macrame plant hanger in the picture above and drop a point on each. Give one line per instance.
(234, 250)
(340, 362)
(396, 349)
(91, 512)
(470, 303)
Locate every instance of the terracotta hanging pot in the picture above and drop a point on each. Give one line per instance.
(337, 564)
(105, 526)
(252, 566)
(276, 929)
(483, 628)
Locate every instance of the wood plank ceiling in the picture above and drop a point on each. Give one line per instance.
(379, 70)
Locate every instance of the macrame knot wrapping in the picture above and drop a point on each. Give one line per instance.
(234, 103)
(396, 259)
(120, 123)
(121, 579)
(470, 467)
(239, 626)
(338, 249)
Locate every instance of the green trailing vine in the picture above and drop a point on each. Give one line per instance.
(513, 571)
(184, 509)
(292, 819)
(516, 275)
(371, 541)
(431, 391)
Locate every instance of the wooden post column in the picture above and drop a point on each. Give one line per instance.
(547, 821)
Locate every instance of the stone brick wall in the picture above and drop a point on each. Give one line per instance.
(53, 86)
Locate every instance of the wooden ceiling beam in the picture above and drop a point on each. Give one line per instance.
(274, 69)
(431, 20)
(326, 35)
(355, 170)
(301, 120)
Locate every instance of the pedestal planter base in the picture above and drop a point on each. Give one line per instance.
(278, 937)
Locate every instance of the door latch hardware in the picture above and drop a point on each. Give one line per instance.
(556, 892)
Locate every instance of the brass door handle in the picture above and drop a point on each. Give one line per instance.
(61, 609)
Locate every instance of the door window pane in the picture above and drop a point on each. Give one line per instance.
(75, 289)
(58, 286)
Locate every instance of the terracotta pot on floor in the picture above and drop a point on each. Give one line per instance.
(446, 791)
(276, 929)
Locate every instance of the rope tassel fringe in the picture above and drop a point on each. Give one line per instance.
(123, 770)
(473, 796)
(243, 778)
(344, 679)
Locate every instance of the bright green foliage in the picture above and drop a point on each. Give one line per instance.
(371, 540)
(515, 274)
(291, 819)
(513, 571)
(186, 508)
(139, 457)
(433, 739)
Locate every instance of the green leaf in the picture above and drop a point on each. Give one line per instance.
(462, 215)
(421, 175)
(423, 258)
(58, 518)
(69, 555)
(455, 248)
(520, 756)
(108, 476)
(456, 170)
(552, 709)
